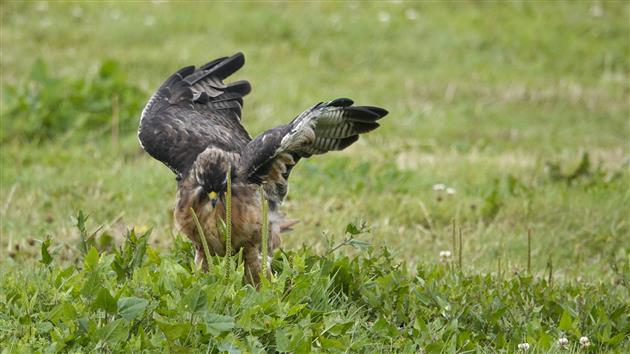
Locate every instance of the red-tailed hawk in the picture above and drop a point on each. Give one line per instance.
(193, 125)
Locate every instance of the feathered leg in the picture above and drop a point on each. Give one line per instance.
(200, 259)
(253, 266)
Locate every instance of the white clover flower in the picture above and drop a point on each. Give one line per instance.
(451, 191)
(584, 341)
(439, 187)
(523, 346)
(445, 255)
(563, 342)
(411, 14)
(383, 16)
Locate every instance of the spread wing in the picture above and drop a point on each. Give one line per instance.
(192, 110)
(335, 125)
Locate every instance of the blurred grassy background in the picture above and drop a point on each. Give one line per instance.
(521, 107)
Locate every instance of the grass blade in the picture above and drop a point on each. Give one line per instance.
(265, 231)
(454, 235)
(460, 249)
(228, 222)
(529, 251)
(202, 236)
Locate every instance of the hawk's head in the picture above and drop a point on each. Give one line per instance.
(210, 172)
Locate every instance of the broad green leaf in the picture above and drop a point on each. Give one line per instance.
(91, 259)
(384, 328)
(140, 250)
(282, 340)
(54, 347)
(352, 229)
(120, 271)
(46, 258)
(336, 325)
(254, 345)
(195, 300)
(131, 308)
(228, 346)
(83, 323)
(62, 312)
(566, 322)
(614, 340)
(64, 274)
(143, 337)
(114, 332)
(105, 301)
(217, 324)
(356, 243)
(173, 331)
(295, 309)
(91, 285)
(332, 343)
(153, 257)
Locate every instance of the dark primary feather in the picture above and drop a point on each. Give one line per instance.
(194, 109)
(335, 125)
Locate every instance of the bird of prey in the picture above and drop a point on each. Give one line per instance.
(192, 124)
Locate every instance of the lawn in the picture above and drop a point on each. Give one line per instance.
(521, 108)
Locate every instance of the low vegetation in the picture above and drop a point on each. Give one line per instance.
(134, 298)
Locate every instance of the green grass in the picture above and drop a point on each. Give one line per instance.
(503, 102)
(133, 299)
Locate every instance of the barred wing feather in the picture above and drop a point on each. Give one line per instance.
(325, 127)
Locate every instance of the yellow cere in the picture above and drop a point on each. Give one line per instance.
(212, 195)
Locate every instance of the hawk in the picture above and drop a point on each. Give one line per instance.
(192, 124)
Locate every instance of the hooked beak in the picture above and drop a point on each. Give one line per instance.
(214, 197)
